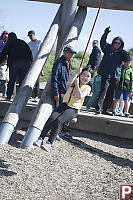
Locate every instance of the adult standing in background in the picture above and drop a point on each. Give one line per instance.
(95, 56)
(34, 45)
(3, 40)
(19, 59)
(3, 67)
(110, 70)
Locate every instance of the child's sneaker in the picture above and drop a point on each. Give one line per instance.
(47, 146)
(114, 113)
(126, 115)
(39, 142)
(58, 138)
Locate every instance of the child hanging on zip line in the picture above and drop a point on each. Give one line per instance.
(72, 102)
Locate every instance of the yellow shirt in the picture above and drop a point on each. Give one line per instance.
(75, 102)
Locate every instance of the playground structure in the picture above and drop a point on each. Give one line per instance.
(66, 26)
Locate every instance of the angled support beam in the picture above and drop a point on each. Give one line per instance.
(44, 107)
(12, 116)
(107, 4)
(68, 13)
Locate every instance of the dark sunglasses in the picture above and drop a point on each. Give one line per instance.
(117, 43)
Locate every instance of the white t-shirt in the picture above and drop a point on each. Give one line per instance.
(34, 46)
(4, 75)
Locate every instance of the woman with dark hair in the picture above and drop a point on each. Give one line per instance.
(72, 102)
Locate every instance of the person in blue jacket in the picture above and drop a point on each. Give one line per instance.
(96, 88)
(61, 72)
(110, 70)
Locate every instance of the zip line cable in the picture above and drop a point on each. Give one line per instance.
(91, 34)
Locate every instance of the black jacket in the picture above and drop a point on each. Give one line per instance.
(95, 57)
(15, 49)
(110, 66)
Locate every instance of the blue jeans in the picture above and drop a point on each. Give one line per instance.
(4, 85)
(94, 97)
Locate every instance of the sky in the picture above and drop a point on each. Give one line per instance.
(20, 16)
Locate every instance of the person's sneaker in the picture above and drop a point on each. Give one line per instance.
(98, 112)
(58, 138)
(39, 142)
(105, 112)
(47, 146)
(120, 114)
(126, 115)
(8, 99)
(36, 99)
(113, 113)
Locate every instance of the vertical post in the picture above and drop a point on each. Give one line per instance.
(44, 108)
(68, 13)
(25, 90)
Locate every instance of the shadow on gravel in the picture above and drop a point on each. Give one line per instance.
(3, 169)
(16, 139)
(107, 139)
(119, 161)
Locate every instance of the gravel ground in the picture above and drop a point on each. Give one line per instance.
(91, 166)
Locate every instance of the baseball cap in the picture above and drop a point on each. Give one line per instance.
(69, 49)
(31, 32)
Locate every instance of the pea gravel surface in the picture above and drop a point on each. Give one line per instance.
(89, 167)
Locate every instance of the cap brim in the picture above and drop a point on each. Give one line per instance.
(73, 52)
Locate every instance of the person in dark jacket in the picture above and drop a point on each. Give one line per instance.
(110, 70)
(19, 58)
(61, 72)
(95, 56)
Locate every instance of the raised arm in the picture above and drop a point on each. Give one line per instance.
(72, 79)
(103, 43)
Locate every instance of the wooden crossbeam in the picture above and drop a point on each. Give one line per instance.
(107, 4)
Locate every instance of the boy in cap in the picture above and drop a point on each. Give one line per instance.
(125, 87)
(60, 74)
(34, 45)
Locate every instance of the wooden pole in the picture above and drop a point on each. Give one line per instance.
(68, 13)
(12, 116)
(107, 4)
(44, 107)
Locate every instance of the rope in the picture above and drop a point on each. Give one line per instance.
(91, 33)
